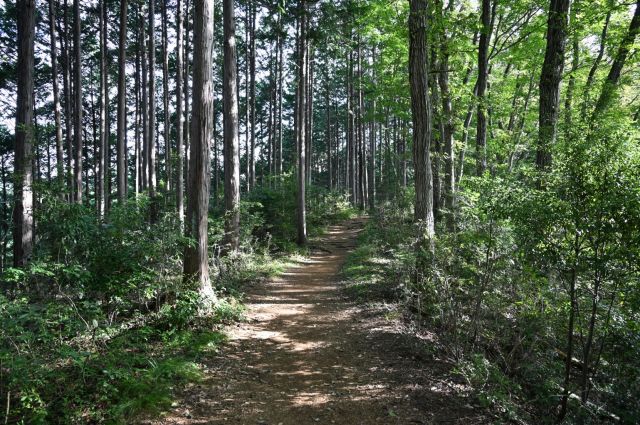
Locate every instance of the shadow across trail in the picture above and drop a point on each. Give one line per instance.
(308, 355)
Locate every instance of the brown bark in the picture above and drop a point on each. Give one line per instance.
(104, 137)
(122, 105)
(301, 112)
(252, 93)
(165, 99)
(144, 172)
(56, 94)
(151, 151)
(608, 92)
(421, 114)
(77, 123)
(23, 171)
(483, 64)
(231, 140)
(196, 259)
(550, 81)
(179, 114)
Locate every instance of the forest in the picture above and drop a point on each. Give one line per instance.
(319, 211)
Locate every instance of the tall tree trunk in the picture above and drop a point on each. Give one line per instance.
(351, 142)
(550, 81)
(309, 114)
(186, 93)
(23, 171)
(179, 115)
(281, 40)
(138, 123)
(145, 103)
(421, 115)
(231, 139)
(196, 259)
(447, 127)
(151, 152)
(247, 149)
(165, 99)
(483, 64)
(56, 95)
(327, 135)
(122, 105)
(67, 87)
(302, 92)
(373, 141)
(594, 67)
(104, 137)
(77, 124)
(608, 92)
(252, 93)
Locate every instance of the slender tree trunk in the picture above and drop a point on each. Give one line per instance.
(570, 330)
(138, 123)
(421, 115)
(447, 129)
(77, 130)
(351, 141)
(594, 67)
(550, 81)
(483, 64)
(179, 115)
(309, 114)
(328, 137)
(196, 259)
(168, 155)
(56, 95)
(122, 105)
(609, 88)
(231, 139)
(252, 93)
(302, 92)
(151, 152)
(186, 94)
(68, 103)
(281, 40)
(247, 149)
(102, 144)
(373, 141)
(23, 172)
(145, 104)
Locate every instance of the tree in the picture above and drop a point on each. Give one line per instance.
(103, 161)
(196, 259)
(151, 143)
(611, 83)
(301, 119)
(483, 75)
(231, 140)
(421, 114)
(165, 97)
(56, 95)
(550, 81)
(179, 115)
(77, 123)
(23, 172)
(122, 105)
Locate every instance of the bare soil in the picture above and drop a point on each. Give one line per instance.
(309, 355)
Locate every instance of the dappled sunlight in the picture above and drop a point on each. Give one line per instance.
(307, 355)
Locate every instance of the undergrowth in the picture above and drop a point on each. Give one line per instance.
(101, 328)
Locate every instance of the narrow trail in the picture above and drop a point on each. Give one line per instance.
(308, 355)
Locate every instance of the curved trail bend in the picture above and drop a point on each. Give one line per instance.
(307, 355)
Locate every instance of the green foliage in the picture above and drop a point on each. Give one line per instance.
(101, 328)
(497, 289)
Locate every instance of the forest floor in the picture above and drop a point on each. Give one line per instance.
(308, 354)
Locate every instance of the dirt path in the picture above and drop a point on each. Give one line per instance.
(308, 355)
